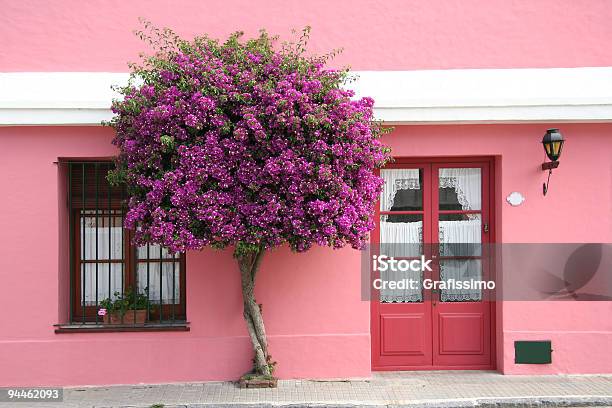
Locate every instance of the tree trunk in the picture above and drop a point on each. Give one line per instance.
(249, 264)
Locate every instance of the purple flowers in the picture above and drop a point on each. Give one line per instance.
(244, 142)
(191, 120)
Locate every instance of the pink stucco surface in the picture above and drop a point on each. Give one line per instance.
(576, 209)
(74, 35)
(317, 323)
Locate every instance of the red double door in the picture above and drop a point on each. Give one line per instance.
(441, 210)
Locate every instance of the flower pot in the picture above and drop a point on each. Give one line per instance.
(130, 317)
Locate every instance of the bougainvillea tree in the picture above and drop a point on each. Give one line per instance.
(249, 145)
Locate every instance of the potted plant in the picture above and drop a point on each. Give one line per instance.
(127, 308)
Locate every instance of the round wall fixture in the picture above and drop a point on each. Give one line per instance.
(515, 199)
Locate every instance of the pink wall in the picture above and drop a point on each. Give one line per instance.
(75, 35)
(582, 181)
(317, 323)
(576, 209)
(318, 326)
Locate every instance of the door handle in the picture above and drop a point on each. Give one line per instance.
(433, 298)
(485, 227)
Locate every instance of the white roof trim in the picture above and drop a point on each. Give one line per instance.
(490, 95)
(402, 97)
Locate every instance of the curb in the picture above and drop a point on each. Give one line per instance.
(502, 402)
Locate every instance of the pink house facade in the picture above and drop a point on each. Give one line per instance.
(470, 87)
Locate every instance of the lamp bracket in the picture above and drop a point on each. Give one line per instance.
(550, 165)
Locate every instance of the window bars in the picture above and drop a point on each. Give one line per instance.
(111, 281)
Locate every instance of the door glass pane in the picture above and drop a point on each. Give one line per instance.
(460, 234)
(403, 241)
(460, 189)
(403, 190)
(466, 271)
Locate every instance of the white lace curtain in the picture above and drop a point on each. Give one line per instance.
(395, 180)
(461, 238)
(466, 182)
(457, 238)
(400, 239)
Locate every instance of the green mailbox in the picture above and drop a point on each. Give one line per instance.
(533, 352)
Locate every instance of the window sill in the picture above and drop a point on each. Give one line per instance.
(102, 328)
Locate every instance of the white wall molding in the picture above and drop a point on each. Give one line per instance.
(490, 95)
(402, 97)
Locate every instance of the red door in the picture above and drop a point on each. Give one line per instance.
(440, 210)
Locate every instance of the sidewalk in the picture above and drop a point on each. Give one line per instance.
(414, 389)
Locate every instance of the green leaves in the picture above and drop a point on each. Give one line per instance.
(167, 142)
(130, 300)
(117, 176)
(244, 249)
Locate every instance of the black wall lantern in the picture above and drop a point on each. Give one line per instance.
(553, 144)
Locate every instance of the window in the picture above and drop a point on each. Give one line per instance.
(104, 264)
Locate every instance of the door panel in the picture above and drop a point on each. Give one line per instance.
(461, 333)
(403, 334)
(461, 317)
(440, 210)
(402, 330)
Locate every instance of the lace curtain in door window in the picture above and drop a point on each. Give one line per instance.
(467, 185)
(462, 237)
(400, 239)
(395, 180)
